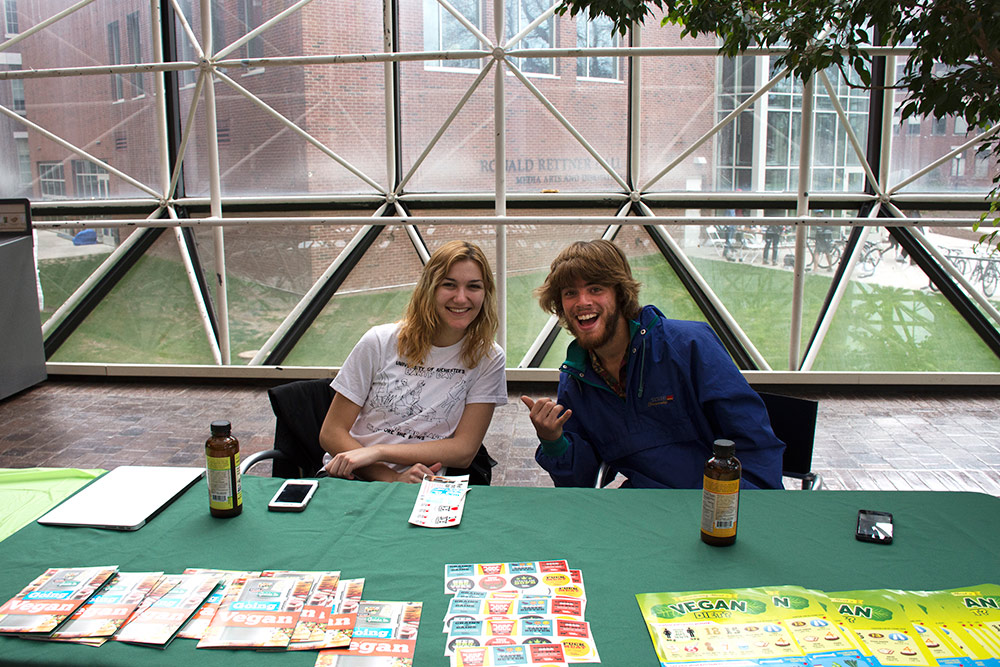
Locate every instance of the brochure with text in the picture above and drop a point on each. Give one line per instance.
(337, 623)
(199, 622)
(262, 613)
(104, 613)
(158, 623)
(52, 598)
(385, 635)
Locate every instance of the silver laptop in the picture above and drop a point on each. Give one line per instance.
(123, 499)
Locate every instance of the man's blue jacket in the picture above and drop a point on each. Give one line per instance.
(683, 392)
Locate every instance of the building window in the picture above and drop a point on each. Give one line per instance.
(24, 164)
(115, 58)
(597, 33)
(520, 13)
(958, 165)
(443, 32)
(913, 125)
(90, 180)
(251, 15)
(185, 51)
(18, 103)
(939, 126)
(10, 17)
(51, 180)
(134, 37)
(961, 125)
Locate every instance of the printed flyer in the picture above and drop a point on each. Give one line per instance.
(328, 617)
(780, 626)
(262, 613)
(104, 613)
(385, 635)
(574, 635)
(880, 623)
(52, 598)
(440, 501)
(542, 655)
(316, 601)
(548, 578)
(197, 624)
(158, 623)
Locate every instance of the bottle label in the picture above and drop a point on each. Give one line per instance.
(223, 476)
(719, 507)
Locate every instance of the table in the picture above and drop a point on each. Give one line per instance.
(625, 541)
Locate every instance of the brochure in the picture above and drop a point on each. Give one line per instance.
(104, 613)
(440, 501)
(384, 636)
(52, 598)
(158, 623)
(786, 625)
(336, 625)
(878, 621)
(968, 620)
(574, 635)
(261, 613)
(197, 624)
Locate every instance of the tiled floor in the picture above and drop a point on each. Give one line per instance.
(878, 439)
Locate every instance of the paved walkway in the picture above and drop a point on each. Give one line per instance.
(879, 439)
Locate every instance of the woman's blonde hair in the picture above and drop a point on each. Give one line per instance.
(595, 262)
(420, 322)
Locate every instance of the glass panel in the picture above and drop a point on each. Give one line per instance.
(924, 140)
(150, 316)
(66, 258)
(267, 280)
(109, 116)
(376, 292)
(678, 106)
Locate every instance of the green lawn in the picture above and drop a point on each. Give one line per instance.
(150, 317)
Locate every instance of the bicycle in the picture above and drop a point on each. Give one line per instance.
(824, 251)
(871, 255)
(986, 271)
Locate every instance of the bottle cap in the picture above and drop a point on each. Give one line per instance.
(221, 427)
(723, 448)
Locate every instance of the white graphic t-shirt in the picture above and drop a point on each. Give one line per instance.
(400, 403)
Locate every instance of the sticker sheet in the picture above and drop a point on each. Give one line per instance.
(440, 501)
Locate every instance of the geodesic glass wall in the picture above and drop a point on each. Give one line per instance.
(253, 183)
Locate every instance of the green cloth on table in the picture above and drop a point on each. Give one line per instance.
(28, 493)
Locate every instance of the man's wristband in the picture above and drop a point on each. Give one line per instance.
(555, 448)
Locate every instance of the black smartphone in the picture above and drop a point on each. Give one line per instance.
(874, 526)
(293, 496)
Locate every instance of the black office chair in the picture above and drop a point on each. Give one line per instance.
(793, 420)
(299, 409)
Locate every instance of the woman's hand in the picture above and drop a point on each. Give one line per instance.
(415, 473)
(344, 464)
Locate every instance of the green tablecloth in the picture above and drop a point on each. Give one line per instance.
(624, 541)
(28, 493)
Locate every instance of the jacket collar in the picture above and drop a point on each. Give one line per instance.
(576, 357)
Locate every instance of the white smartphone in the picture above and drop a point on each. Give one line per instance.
(293, 496)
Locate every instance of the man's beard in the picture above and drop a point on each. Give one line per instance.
(610, 323)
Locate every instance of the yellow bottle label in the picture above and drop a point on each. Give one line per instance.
(222, 477)
(719, 507)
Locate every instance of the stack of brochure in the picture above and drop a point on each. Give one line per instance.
(527, 613)
(793, 625)
(273, 609)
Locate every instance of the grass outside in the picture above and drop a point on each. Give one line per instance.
(150, 317)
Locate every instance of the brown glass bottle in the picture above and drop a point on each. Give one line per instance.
(222, 463)
(720, 501)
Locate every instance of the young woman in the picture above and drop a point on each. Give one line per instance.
(417, 396)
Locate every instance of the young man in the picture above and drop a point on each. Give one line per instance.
(644, 394)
